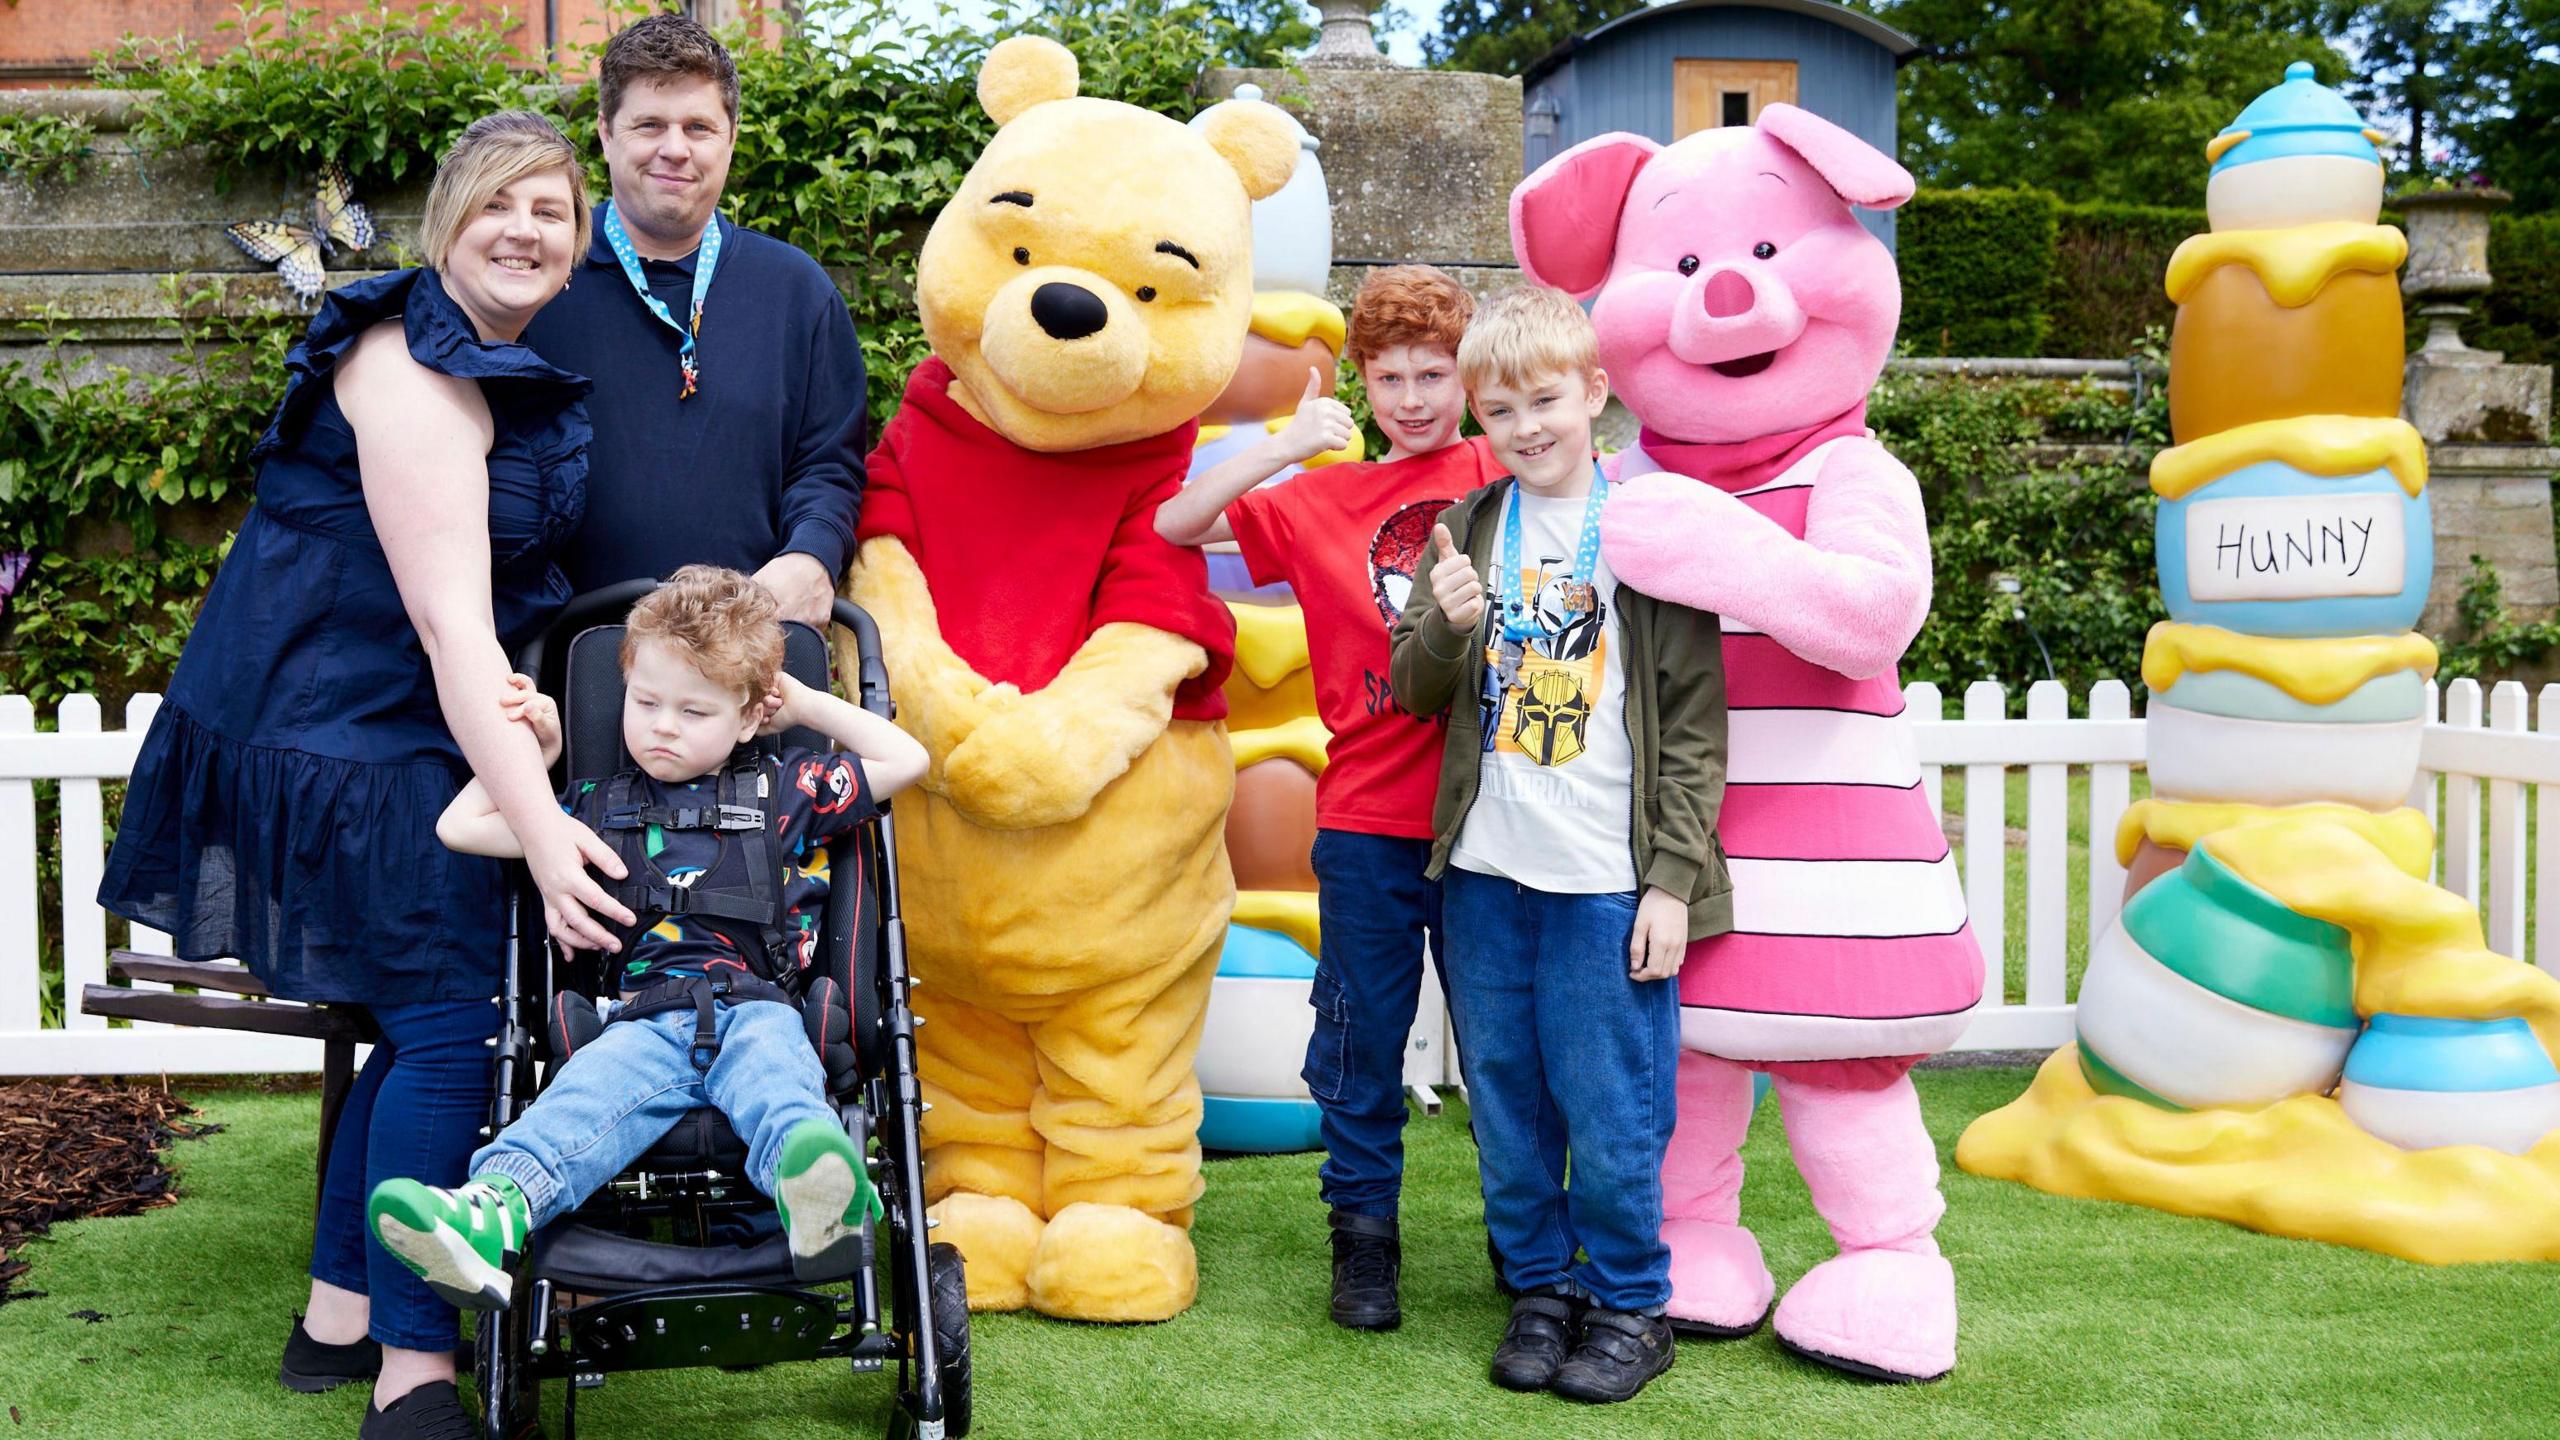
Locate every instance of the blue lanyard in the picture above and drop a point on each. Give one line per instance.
(705, 261)
(1518, 623)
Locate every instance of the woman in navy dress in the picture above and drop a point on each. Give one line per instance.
(342, 685)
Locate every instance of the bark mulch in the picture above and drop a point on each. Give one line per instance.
(70, 1149)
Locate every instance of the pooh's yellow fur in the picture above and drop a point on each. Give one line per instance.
(1063, 864)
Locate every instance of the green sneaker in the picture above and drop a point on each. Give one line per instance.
(826, 1199)
(460, 1242)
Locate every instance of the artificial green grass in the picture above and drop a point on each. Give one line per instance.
(2079, 1318)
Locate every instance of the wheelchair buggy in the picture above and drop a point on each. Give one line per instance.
(680, 1261)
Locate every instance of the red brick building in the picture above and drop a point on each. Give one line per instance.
(55, 42)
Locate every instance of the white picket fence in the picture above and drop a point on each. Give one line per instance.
(2491, 863)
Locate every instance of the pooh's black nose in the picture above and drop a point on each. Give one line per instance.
(1068, 312)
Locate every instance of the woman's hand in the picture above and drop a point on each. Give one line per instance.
(559, 855)
(524, 704)
(1661, 937)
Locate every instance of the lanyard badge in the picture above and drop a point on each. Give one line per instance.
(706, 261)
(1515, 621)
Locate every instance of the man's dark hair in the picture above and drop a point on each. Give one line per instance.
(663, 47)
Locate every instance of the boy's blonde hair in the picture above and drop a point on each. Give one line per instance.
(496, 152)
(1407, 305)
(1524, 333)
(721, 622)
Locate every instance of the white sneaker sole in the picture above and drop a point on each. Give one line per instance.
(449, 1265)
(823, 1247)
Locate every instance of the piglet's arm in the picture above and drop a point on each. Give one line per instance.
(1849, 596)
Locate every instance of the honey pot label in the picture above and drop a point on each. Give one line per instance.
(2296, 547)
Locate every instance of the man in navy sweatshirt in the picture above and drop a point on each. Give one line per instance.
(728, 408)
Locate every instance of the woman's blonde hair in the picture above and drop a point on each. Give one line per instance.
(496, 152)
(1523, 334)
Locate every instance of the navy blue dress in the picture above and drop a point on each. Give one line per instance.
(283, 806)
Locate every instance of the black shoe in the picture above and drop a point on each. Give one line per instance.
(1367, 1259)
(1535, 1342)
(430, 1412)
(311, 1367)
(1618, 1354)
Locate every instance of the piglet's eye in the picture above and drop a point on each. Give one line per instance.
(1688, 264)
(1763, 250)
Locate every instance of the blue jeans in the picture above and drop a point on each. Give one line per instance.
(1378, 908)
(613, 1100)
(1567, 1060)
(413, 1113)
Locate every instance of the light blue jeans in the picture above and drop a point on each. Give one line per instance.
(629, 1086)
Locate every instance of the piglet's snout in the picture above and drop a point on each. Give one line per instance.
(1728, 294)
(1733, 314)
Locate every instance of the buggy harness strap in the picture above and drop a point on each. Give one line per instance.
(702, 995)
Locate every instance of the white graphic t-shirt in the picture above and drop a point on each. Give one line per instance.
(1555, 799)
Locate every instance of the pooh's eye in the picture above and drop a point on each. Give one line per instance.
(1688, 264)
(1763, 250)
(1146, 292)
(1021, 256)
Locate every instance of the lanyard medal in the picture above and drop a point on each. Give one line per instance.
(706, 261)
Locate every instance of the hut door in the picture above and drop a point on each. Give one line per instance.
(1709, 93)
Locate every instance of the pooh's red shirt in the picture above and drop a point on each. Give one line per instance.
(1028, 553)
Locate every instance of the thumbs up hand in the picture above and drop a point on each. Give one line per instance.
(1454, 582)
(1321, 423)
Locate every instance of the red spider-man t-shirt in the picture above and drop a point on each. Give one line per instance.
(1352, 541)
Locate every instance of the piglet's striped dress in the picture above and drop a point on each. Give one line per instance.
(1850, 939)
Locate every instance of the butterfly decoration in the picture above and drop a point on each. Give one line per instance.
(300, 254)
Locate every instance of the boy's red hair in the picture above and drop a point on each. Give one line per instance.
(1407, 305)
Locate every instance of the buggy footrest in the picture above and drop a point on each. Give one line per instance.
(700, 1325)
(587, 1261)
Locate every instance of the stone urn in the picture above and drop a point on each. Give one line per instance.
(2448, 265)
(1348, 41)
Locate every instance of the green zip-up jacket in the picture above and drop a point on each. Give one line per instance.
(1674, 666)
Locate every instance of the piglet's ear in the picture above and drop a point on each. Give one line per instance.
(1564, 219)
(1862, 174)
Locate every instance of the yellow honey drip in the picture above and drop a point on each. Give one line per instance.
(1302, 740)
(1286, 912)
(1288, 317)
(2403, 835)
(1271, 642)
(2334, 445)
(2300, 1167)
(2294, 263)
(2315, 672)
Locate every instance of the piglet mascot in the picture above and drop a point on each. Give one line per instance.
(1744, 314)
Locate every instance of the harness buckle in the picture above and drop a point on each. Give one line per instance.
(741, 817)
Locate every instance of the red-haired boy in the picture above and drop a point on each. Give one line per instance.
(1350, 539)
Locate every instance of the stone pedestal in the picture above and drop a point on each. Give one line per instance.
(2466, 397)
(1421, 163)
(2493, 501)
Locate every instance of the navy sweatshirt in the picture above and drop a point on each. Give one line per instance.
(765, 459)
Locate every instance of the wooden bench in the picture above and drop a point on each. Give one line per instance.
(242, 1003)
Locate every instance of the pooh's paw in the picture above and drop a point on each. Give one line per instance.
(1011, 775)
(998, 1237)
(1112, 1263)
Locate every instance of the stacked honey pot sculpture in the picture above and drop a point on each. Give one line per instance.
(2287, 1026)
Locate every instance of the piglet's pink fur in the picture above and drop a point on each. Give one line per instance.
(1849, 596)
(1737, 297)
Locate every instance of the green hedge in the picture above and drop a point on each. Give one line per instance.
(1976, 266)
(2108, 265)
(2521, 313)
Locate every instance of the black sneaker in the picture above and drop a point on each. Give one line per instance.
(1367, 1259)
(1535, 1342)
(1618, 1354)
(430, 1412)
(311, 1367)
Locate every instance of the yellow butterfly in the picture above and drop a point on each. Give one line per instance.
(300, 255)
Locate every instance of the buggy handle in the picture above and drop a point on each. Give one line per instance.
(610, 603)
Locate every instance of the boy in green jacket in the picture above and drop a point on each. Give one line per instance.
(1575, 824)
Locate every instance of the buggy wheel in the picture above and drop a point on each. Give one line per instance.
(947, 1292)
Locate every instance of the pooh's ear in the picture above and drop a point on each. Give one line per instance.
(1257, 140)
(1024, 71)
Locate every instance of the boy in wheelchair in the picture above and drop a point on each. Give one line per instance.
(726, 853)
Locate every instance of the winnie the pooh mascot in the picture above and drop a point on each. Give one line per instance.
(1065, 876)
